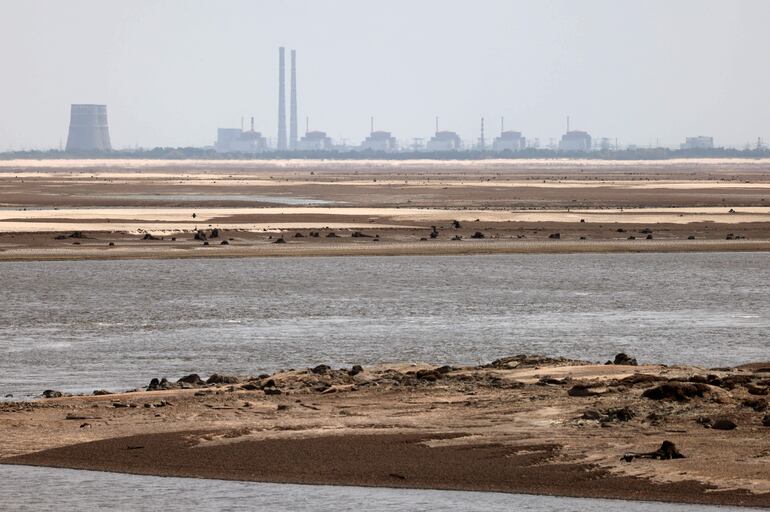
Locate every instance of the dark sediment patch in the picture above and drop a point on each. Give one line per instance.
(390, 460)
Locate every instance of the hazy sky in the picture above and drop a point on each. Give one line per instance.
(171, 72)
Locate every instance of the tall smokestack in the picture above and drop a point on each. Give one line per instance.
(281, 100)
(88, 129)
(293, 103)
(482, 142)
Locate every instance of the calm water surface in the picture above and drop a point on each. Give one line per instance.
(78, 326)
(64, 490)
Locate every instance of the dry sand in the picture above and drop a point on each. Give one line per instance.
(512, 426)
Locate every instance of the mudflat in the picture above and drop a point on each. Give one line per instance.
(520, 424)
(137, 209)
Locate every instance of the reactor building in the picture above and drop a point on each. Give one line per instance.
(88, 130)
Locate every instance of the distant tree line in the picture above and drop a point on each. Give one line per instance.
(190, 153)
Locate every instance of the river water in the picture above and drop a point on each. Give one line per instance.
(64, 490)
(79, 326)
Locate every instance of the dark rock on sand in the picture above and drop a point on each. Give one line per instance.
(667, 451)
(723, 424)
(193, 379)
(199, 235)
(641, 378)
(355, 370)
(757, 390)
(271, 391)
(321, 369)
(148, 236)
(358, 234)
(625, 359)
(618, 414)
(428, 375)
(526, 361)
(222, 379)
(766, 420)
(679, 391)
(331, 235)
(51, 393)
(555, 236)
(250, 386)
(547, 380)
(477, 235)
(280, 241)
(224, 242)
(731, 381)
(758, 404)
(584, 390)
(101, 392)
(214, 233)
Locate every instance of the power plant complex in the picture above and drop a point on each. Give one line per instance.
(89, 133)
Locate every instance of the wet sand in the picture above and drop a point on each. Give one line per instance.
(525, 424)
(516, 206)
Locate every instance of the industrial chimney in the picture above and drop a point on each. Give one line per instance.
(281, 101)
(293, 103)
(88, 129)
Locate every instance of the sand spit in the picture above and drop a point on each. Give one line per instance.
(89, 250)
(521, 424)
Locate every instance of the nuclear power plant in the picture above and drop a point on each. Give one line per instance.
(89, 133)
(88, 130)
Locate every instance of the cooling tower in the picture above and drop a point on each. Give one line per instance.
(281, 101)
(88, 129)
(293, 103)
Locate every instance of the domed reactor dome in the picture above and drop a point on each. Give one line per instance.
(88, 129)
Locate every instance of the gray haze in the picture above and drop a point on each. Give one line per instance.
(171, 72)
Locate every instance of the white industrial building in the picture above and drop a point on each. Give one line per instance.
(575, 140)
(509, 141)
(700, 142)
(314, 141)
(235, 140)
(379, 141)
(444, 141)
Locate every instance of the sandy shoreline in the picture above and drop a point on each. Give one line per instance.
(523, 425)
(456, 248)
